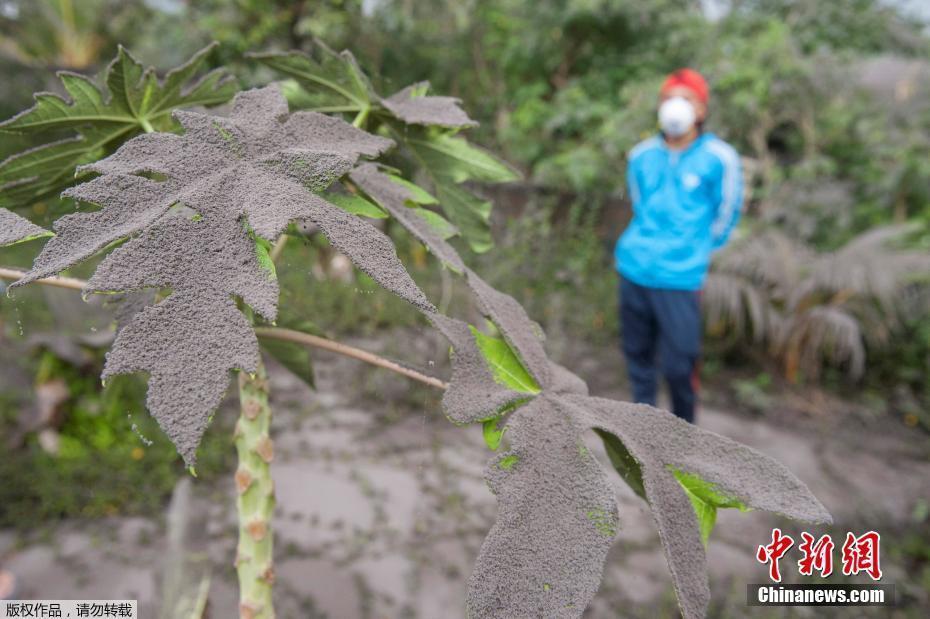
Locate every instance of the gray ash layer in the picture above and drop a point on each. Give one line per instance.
(473, 394)
(426, 110)
(187, 344)
(253, 172)
(557, 519)
(660, 442)
(393, 197)
(516, 327)
(14, 228)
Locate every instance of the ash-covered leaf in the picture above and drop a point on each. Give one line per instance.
(473, 394)
(412, 106)
(556, 520)
(516, 327)
(370, 250)
(56, 135)
(126, 305)
(129, 204)
(187, 344)
(192, 206)
(16, 229)
(425, 125)
(651, 448)
(393, 197)
(212, 254)
(505, 366)
(334, 82)
(664, 447)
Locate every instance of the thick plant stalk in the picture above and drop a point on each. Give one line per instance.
(255, 498)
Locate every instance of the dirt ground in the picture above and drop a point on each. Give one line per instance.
(382, 507)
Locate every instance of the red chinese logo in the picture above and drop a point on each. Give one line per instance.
(773, 552)
(860, 554)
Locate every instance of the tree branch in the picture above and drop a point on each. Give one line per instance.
(274, 333)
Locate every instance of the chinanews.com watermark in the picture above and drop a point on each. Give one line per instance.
(859, 554)
(820, 595)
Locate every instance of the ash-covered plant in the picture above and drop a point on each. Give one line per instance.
(425, 128)
(191, 218)
(815, 309)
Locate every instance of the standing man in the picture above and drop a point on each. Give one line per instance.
(686, 188)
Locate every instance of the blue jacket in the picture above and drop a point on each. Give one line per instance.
(685, 204)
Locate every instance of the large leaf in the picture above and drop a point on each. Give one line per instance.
(332, 82)
(451, 157)
(424, 124)
(557, 518)
(530, 564)
(685, 472)
(57, 135)
(246, 178)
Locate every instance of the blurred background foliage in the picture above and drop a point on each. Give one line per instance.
(825, 284)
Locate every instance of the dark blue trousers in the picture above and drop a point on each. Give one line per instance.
(665, 325)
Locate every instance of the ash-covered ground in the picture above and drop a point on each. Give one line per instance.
(382, 507)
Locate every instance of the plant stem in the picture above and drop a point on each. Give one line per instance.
(278, 248)
(146, 125)
(298, 337)
(361, 117)
(255, 498)
(60, 282)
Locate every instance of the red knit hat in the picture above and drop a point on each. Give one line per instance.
(690, 79)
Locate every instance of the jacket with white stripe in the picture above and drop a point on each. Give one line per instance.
(685, 204)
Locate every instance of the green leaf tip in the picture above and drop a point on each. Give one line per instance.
(355, 205)
(263, 252)
(504, 364)
(508, 462)
(706, 499)
(418, 195)
(492, 434)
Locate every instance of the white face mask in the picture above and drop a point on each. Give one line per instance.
(676, 116)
